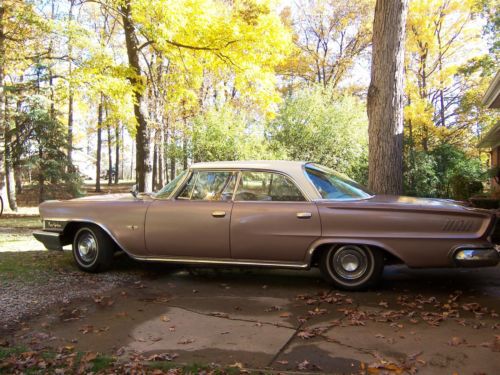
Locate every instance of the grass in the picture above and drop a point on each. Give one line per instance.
(194, 368)
(100, 364)
(20, 221)
(31, 266)
(15, 353)
(15, 232)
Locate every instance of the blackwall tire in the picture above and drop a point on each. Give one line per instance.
(92, 249)
(352, 267)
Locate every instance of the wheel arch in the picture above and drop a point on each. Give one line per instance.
(72, 227)
(317, 248)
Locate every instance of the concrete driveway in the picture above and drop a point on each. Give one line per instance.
(432, 321)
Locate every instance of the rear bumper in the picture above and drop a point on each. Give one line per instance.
(51, 240)
(477, 257)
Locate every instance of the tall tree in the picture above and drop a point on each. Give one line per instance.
(330, 35)
(99, 145)
(385, 98)
(2, 92)
(143, 134)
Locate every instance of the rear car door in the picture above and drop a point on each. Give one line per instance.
(195, 224)
(271, 219)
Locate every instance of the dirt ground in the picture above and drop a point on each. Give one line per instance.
(425, 321)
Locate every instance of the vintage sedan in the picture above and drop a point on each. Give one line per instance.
(274, 214)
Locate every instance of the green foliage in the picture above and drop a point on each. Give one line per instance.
(314, 125)
(224, 134)
(420, 177)
(445, 172)
(45, 144)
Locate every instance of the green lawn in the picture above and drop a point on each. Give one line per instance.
(34, 265)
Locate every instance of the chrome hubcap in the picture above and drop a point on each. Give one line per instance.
(350, 262)
(87, 247)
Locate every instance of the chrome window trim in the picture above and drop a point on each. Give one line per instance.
(294, 182)
(191, 172)
(307, 197)
(172, 195)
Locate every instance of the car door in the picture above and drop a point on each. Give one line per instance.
(196, 222)
(271, 219)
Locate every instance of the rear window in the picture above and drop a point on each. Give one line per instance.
(332, 185)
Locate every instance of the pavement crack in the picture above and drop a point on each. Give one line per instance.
(234, 319)
(289, 341)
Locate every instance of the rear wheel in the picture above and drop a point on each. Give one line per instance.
(92, 249)
(352, 267)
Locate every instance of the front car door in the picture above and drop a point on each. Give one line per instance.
(194, 224)
(272, 219)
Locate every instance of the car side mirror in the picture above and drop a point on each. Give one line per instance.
(135, 190)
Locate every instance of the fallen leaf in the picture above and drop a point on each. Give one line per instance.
(89, 356)
(285, 315)
(165, 318)
(455, 341)
(162, 357)
(383, 304)
(305, 335)
(303, 365)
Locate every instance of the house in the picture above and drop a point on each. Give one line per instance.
(491, 140)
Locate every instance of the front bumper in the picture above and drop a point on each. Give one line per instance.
(470, 257)
(51, 240)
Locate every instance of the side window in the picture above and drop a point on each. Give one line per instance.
(267, 186)
(209, 186)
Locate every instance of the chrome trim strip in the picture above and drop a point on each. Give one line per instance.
(207, 261)
(235, 262)
(46, 233)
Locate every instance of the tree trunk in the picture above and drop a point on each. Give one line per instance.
(99, 143)
(132, 163)
(161, 157)
(70, 96)
(70, 132)
(16, 157)
(9, 171)
(41, 175)
(155, 165)
(385, 98)
(2, 98)
(143, 134)
(117, 152)
(110, 158)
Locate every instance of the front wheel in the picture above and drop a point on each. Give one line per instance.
(352, 267)
(92, 249)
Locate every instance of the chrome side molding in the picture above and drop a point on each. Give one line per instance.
(228, 262)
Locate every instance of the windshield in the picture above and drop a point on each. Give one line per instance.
(332, 185)
(169, 188)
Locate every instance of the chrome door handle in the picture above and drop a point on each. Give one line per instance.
(304, 215)
(219, 213)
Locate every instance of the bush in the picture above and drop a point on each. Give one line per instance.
(313, 125)
(444, 172)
